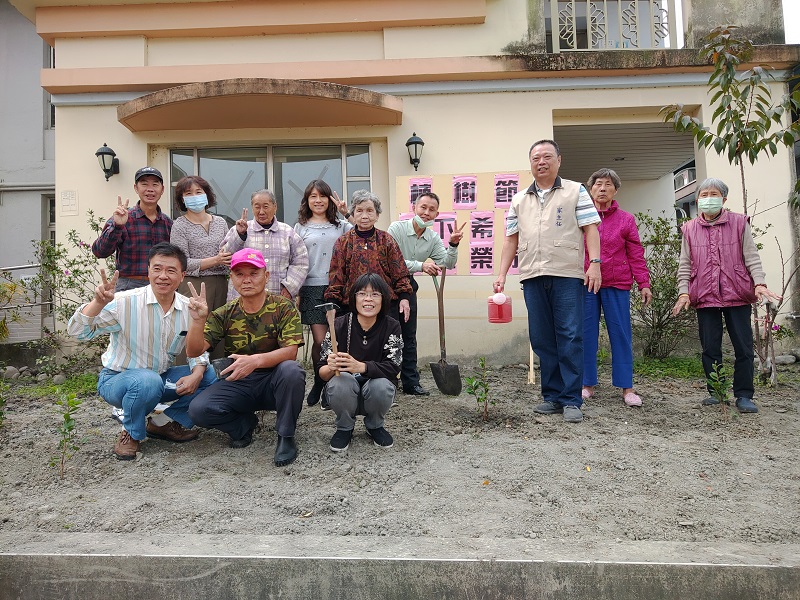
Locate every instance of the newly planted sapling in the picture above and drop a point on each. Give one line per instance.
(718, 381)
(478, 386)
(67, 444)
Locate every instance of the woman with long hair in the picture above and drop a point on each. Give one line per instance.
(319, 226)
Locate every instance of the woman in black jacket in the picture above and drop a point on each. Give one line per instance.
(361, 373)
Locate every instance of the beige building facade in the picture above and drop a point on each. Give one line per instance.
(273, 93)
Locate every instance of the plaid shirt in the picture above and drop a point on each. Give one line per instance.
(284, 252)
(133, 241)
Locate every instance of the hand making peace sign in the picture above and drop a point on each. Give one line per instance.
(341, 205)
(198, 306)
(241, 224)
(104, 293)
(457, 234)
(120, 215)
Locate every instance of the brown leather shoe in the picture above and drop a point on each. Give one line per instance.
(126, 447)
(172, 431)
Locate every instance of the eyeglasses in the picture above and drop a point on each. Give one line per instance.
(368, 295)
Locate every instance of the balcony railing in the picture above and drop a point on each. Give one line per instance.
(612, 24)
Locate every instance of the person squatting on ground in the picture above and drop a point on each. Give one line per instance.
(147, 328)
(319, 226)
(131, 232)
(720, 275)
(284, 252)
(361, 373)
(546, 224)
(424, 252)
(262, 333)
(623, 262)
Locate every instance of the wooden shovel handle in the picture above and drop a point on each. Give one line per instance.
(440, 300)
(330, 315)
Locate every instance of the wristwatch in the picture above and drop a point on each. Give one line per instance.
(595, 260)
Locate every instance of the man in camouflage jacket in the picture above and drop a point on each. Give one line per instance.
(261, 333)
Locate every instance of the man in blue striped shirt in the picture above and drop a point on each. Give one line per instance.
(147, 328)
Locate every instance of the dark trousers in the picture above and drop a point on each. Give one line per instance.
(230, 405)
(409, 374)
(737, 321)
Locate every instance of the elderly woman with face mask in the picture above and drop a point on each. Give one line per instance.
(720, 275)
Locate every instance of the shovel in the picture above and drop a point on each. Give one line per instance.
(447, 377)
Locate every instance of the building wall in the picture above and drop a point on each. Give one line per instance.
(26, 152)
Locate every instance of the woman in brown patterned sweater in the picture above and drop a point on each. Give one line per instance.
(365, 249)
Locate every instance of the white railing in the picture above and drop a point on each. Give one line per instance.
(613, 24)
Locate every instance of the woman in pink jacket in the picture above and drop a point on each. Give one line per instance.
(622, 262)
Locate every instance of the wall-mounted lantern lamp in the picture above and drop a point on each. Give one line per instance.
(108, 161)
(414, 146)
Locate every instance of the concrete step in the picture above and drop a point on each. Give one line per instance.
(127, 566)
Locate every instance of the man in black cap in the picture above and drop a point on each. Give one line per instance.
(131, 232)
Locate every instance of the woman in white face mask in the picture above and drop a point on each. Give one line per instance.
(200, 235)
(720, 275)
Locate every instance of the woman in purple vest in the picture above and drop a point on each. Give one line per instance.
(621, 262)
(720, 275)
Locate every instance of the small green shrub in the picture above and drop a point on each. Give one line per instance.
(654, 326)
(478, 386)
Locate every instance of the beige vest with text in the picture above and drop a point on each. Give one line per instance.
(550, 241)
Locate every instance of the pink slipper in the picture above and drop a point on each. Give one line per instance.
(632, 399)
(586, 394)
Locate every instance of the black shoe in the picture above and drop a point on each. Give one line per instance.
(324, 404)
(316, 392)
(746, 405)
(285, 451)
(381, 437)
(341, 440)
(710, 401)
(417, 390)
(247, 438)
(243, 442)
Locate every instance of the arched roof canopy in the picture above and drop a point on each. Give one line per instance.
(258, 104)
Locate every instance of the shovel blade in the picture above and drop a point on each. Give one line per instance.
(447, 378)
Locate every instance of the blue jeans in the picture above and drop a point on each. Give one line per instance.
(137, 391)
(555, 327)
(616, 307)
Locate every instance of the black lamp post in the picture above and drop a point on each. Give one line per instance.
(108, 161)
(414, 146)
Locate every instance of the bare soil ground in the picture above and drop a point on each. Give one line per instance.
(672, 471)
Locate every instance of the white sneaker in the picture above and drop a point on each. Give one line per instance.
(117, 414)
